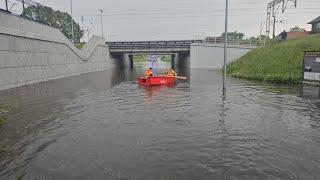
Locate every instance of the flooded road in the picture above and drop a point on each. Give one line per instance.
(104, 126)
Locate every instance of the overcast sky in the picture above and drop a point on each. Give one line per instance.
(181, 19)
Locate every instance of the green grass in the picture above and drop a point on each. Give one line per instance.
(4, 148)
(276, 62)
(2, 116)
(79, 45)
(139, 58)
(143, 58)
(166, 58)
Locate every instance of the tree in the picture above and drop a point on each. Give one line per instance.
(57, 19)
(297, 29)
(234, 35)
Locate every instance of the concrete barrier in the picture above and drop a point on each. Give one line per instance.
(31, 53)
(210, 56)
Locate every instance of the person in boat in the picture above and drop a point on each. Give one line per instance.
(170, 72)
(148, 72)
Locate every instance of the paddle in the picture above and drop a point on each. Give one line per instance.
(181, 77)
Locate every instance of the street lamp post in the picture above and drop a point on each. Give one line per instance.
(225, 48)
(101, 11)
(72, 28)
(92, 29)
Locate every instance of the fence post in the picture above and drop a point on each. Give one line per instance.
(23, 6)
(250, 42)
(38, 11)
(7, 5)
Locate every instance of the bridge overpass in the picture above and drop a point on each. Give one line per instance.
(151, 47)
(203, 54)
(125, 50)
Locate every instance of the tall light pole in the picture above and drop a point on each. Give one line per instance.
(72, 28)
(225, 48)
(101, 11)
(92, 29)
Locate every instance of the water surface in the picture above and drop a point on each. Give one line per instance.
(104, 126)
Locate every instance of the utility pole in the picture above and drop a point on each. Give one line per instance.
(261, 29)
(225, 48)
(272, 8)
(268, 20)
(101, 11)
(72, 28)
(274, 22)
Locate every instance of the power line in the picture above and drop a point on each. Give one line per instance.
(272, 10)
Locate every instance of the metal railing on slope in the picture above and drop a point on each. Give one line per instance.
(18, 7)
(236, 42)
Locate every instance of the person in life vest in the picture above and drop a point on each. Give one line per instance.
(148, 72)
(170, 72)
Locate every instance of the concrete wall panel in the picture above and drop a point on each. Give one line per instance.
(31, 52)
(211, 56)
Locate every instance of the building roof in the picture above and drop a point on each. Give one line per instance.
(315, 20)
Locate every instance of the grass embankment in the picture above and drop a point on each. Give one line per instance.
(276, 62)
(3, 148)
(2, 117)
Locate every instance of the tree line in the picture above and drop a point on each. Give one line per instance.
(56, 19)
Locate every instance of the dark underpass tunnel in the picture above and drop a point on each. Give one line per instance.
(173, 60)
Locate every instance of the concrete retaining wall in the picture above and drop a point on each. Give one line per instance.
(211, 56)
(31, 52)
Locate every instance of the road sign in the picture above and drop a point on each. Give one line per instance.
(311, 66)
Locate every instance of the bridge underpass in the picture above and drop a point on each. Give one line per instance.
(123, 52)
(187, 53)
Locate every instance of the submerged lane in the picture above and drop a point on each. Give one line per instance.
(104, 126)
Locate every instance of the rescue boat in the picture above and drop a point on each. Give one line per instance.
(157, 80)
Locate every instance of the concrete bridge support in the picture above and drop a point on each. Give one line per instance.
(173, 60)
(183, 60)
(128, 60)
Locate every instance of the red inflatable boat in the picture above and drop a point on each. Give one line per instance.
(156, 80)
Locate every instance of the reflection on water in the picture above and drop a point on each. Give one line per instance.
(104, 126)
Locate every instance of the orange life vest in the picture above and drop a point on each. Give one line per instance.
(148, 73)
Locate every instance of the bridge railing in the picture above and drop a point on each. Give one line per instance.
(236, 41)
(152, 44)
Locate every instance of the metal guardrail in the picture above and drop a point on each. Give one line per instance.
(152, 44)
(183, 44)
(237, 42)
